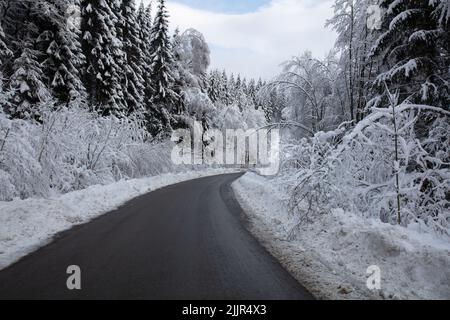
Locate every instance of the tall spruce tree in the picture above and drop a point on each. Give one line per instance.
(132, 82)
(163, 96)
(224, 94)
(104, 56)
(252, 92)
(61, 50)
(144, 23)
(214, 81)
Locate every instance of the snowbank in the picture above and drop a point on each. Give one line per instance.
(330, 256)
(26, 225)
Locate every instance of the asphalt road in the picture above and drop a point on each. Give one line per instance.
(186, 241)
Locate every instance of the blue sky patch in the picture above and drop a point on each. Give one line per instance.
(225, 6)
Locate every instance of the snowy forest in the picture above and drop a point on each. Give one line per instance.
(91, 90)
(374, 115)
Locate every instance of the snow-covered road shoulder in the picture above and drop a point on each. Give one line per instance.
(330, 256)
(26, 225)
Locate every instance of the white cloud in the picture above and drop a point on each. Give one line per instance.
(254, 44)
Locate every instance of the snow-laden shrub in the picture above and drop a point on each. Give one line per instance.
(71, 149)
(380, 169)
(232, 117)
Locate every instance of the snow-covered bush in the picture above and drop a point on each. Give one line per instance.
(380, 169)
(71, 149)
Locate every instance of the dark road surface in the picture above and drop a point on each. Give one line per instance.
(186, 241)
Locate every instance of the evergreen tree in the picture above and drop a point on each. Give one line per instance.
(273, 107)
(244, 86)
(133, 82)
(104, 56)
(214, 82)
(144, 22)
(5, 51)
(224, 94)
(25, 80)
(252, 92)
(232, 89)
(259, 85)
(413, 51)
(163, 96)
(61, 51)
(27, 89)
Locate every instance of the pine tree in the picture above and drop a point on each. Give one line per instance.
(214, 81)
(224, 89)
(163, 96)
(25, 80)
(144, 22)
(413, 51)
(252, 92)
(232, 89)
(133, 82)
(104, 56)
(245, 86)
(259, 85)
(239, 98)
(27, 89)
(62, 54)
(5, 51)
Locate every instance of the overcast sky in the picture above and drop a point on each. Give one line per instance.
(252, 37)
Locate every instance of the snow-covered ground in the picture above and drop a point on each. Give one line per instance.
(330, 256)
(26, 225)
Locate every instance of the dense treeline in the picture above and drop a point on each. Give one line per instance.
(90, 91)
(100, 53)
(107, 55)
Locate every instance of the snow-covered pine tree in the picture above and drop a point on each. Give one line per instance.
(240, 97)
(238, 84)
(259, 85)
(104, 56)
(5, 51)
(132, 81)
(27, 89)
(214, 82)
(413, 51)
(164, 98)
(231, 89)
(224, 94)
(144, 22)
(25, 82)
(61, 50)
(251, 90)
(245, 86)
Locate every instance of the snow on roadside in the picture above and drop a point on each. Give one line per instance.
(26, 225)
(330, 256)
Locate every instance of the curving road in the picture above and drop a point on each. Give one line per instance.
(185, 241)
